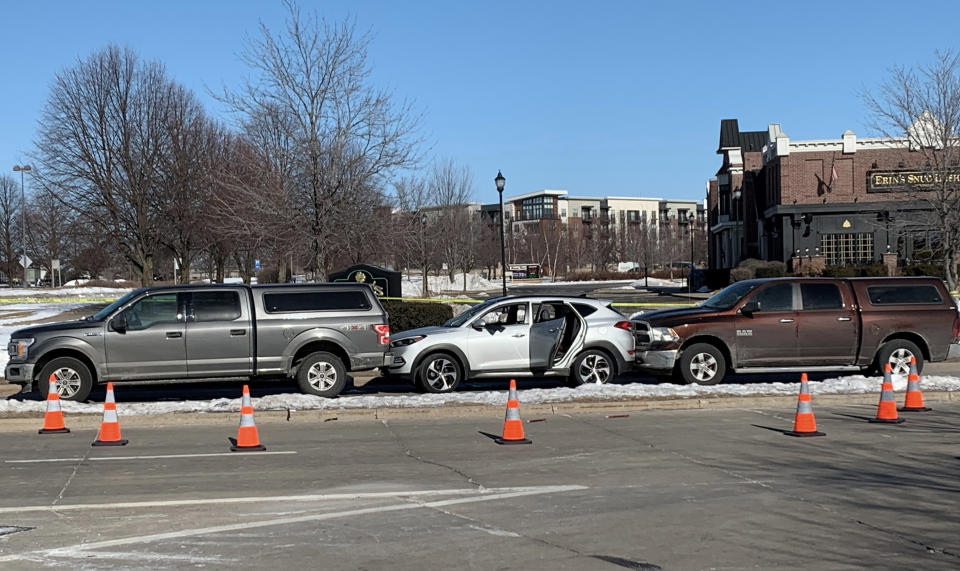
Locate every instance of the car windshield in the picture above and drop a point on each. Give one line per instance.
(468, 314)
(730, 295)
(106, 311)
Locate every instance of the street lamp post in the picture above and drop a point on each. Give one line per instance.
(501, 182)
(736, 200)
(23, 219)
(691, 226)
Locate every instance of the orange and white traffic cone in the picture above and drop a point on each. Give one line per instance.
(914, 400)
(53, 419)
(248, 439)
(109, 434)
(804, 424)
(887, 409)
(512, 425)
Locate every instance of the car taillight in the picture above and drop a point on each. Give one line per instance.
(383, 334)
(625, 325)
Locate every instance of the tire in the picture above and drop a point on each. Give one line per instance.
(321, 374)
(592, 367)
(74, 381)
(702, 364)
(897, 352)
(439, 373)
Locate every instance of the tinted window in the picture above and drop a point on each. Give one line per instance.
(776, 298)
(584, 309)
(215, 305)
(821, 296)
(152, 310)
(903, 294)
(315, 301)
(514, 314)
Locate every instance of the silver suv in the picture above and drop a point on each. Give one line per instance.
(523, 336)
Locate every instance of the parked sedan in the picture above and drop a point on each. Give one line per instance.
(519, 336)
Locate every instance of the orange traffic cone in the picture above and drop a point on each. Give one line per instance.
(247, 439)
(53, 420)
(804, 423)
(887, 409)
(914, 400)
(512, 425)
(110, 427)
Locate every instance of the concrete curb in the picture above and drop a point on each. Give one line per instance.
(32, 421)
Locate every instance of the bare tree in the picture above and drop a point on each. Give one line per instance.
(451, 190)
(50, 230)
(9, 224)
(418, 237)
(347, 137)
(922, 104)
(101, 141)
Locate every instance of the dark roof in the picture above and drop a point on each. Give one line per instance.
(731, 137)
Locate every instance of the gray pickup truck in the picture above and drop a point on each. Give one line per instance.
(313, 333)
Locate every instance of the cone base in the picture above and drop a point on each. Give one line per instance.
(53, 431)
(914, 408)
(802, 434)
(887, 420)
(521, 441)
(109, 443)
(236, 448)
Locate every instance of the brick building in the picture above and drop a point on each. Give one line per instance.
(845, 200)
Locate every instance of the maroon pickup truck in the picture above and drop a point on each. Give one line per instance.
(801, 325)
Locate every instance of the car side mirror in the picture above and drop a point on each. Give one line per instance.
(119, 323)
(750, 308)
(478, 325)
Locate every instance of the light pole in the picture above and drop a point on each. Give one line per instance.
(736, 201)
(23, 219)
(501, 182)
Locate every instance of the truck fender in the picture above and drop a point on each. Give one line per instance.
(311, 336)
(38, 353)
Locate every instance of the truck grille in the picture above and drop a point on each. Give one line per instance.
(641, 332)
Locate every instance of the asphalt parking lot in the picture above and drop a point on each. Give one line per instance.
(701, 489)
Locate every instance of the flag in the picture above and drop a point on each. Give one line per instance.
(833, 174)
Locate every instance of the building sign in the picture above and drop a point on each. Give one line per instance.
(901, 181)
(385, 283)
(524, 271)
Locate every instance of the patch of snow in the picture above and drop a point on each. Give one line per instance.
(105, 292)
(658, 282)
(412, 284)
(614, 392)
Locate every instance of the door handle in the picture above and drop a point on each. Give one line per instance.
(519, 334)
(843, 319)
(786, 320)
(236, 332)
(174, 334)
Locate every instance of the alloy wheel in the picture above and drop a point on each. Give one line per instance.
(441, 374)
(703, 367)
(594, 369)
(322, 376)
(68, 382)
(900, 361)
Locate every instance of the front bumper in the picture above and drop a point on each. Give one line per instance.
(663, 360)
(19, 373)
(954, 351)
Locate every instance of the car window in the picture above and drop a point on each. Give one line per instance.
(152, 310)
(215, 305)
(315, 301)
(821, 296)
(583, 309)
(547, 312)
(904, 294)
(777, 297)
(512, 314)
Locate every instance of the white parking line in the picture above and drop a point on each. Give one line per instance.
(82, 549)
(264, 499)
(146, 457)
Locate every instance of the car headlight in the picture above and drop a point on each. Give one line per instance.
(663, 335)
(18, 347)
(407, 341)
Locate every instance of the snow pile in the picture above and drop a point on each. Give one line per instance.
(658, 282)
(413, 284)
(591, 393)
(104, 292)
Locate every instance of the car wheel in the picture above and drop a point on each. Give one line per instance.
(592, 367)
(898, 352)
(702, 364)
(74, 380)
(439, 373)
(321, 374)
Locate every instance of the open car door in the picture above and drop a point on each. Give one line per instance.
(545, 334)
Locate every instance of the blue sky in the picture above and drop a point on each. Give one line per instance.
(600, 98)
